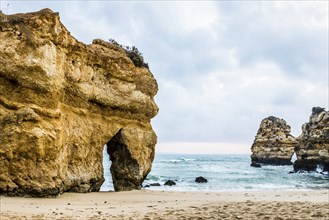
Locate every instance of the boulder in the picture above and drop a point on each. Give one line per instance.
(273, 143)
(201, 179)
(61, 101)
(313, 146)
(254, 164)
(170, 183)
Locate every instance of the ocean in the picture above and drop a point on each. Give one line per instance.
(223, 172)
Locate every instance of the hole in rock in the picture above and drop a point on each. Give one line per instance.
(108, 183)
(124, 168)
(293, 157)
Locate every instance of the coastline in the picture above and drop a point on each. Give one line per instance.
(147, 204)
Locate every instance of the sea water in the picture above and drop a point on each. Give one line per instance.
(224, 173)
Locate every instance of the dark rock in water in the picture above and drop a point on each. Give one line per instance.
(201, 179)
(254, 164)
(305, 165)
(155, 184)
(272, 161)
(170, 183)
(313, 146)
(146, 186)
(290, 172)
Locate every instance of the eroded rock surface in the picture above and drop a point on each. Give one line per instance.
(313, 147)
(60, 102)
(273, 143)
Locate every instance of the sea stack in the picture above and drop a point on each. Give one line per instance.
(313, 147)
(273, 143)
(61, 101)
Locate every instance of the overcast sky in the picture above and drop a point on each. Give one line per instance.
(221, 66)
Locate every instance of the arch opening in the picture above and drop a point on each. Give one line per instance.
(108, 182)
(293, 157)
(124, 169)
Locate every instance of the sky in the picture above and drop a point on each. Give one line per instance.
(221, 66)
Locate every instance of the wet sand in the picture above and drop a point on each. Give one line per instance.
(145, 204)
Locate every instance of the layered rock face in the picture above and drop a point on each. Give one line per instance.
(313, 147)
(61, 101)
(273, 143)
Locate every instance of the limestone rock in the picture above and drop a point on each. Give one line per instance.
(61, 101)
(313, 147)
(273, 143)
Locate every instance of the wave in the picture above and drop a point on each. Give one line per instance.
(187, 159)
(225, 173)
(171, 161)
(177, 160)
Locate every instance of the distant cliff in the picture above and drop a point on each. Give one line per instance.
(313, 147)
(273, 143)
(61, 101)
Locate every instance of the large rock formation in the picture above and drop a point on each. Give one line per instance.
(273, 143)
(62, 100)
(313, 147)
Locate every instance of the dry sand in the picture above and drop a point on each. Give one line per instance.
(147, 204)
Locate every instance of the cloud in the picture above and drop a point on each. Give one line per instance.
(229, 106)
(284, 32)
(221, 66)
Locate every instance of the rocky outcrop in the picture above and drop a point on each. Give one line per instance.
(61, 101)
(313, 147)
(273, 143)
(254, 164)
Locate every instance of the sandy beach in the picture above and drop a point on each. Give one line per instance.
(147, 204)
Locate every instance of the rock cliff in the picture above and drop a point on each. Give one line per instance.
(61, 101)
(273, 143)
(313, 147)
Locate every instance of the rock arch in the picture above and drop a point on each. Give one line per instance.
(125, 169)
(274, 144)
(60, 102)
(312, 149)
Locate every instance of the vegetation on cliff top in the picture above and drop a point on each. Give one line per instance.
(133, 53)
